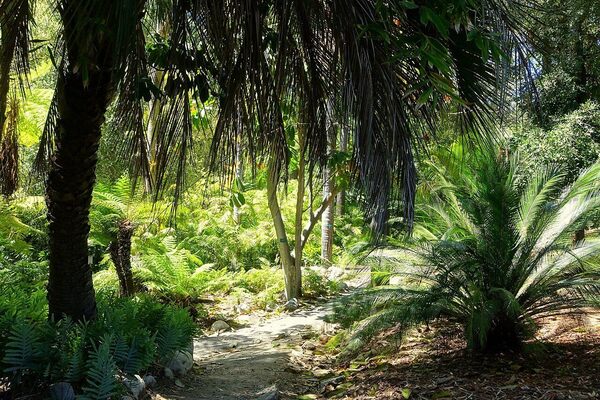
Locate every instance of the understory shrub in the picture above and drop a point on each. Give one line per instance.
(129, 336)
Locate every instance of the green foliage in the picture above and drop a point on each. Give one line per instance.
(572, 144)
(101, 382)
(493, 255)
(129, 336)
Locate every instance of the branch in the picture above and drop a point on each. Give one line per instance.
(314, 218)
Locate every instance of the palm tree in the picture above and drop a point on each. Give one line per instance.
(495, 255)
(392, 65)
(394, 68)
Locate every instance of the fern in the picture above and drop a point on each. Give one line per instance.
(101, 382)
(23, 350)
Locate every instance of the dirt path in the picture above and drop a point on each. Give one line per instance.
(253, 362)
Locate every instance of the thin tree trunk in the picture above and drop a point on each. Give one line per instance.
(298, 223)
(69, 193)
(291, 273)
(239, 170)
(328, 187)
(341, 197)
(155, 107)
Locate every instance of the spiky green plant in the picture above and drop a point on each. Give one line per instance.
(497, 255)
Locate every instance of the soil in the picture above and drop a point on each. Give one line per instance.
(253, 361)
(284, 358)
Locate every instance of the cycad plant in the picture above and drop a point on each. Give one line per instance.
(495, 254)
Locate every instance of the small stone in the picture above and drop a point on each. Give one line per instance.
(307, 335)
(343, 286)
(309, 346)
(150, 381)
(178, 383)
(321, 373)
(291, 305)
(136, 386)
(181, 363)
(169, 373)
(270, 393)
(220, 326)
(62, 391)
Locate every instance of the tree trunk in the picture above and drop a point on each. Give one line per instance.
(298, 222)
(9, 151)
(328, 188)
(120, 253)
(292, 274)
(341, 197)
(7, 49)
(239, 170)
(8, 139)
(69, 193)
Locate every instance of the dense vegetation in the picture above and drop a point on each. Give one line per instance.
(165, 164)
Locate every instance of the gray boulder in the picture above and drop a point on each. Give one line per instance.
(181, 363)
(150, 381)
(136, 386)
(291, 305)
(169, 373)
(220, 326)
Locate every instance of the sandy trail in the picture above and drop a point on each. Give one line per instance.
(252, 362)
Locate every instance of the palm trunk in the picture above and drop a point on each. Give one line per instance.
(328, 187)
(341, 197)
(292, 274)
(69, 193)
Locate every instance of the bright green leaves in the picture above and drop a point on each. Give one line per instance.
(237, 198)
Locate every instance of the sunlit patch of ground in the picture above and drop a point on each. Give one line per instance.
(432, 363)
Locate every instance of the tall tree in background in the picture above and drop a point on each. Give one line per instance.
(567, 37)
(328, 189)
(340, 201)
